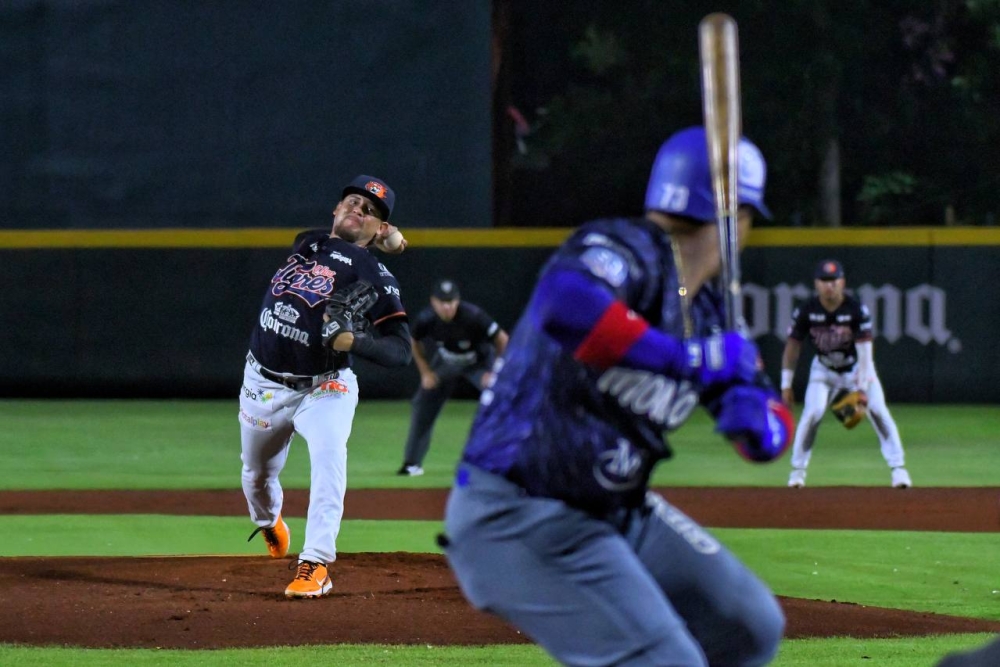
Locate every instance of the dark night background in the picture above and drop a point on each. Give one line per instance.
(907, 92)
(511, 112)
(127, 121)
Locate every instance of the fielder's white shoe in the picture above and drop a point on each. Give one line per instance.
(797, 479)
(901, 478)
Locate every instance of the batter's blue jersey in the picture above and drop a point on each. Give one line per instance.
(562, 429)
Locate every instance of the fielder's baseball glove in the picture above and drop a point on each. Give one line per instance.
(849, 407)
(346, 307)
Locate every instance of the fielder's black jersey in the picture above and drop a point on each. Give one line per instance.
(833, 334)
(464, 341)
(563, 429)
(286, 337)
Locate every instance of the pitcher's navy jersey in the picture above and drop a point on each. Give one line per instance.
(562, 429)
(833, 334)
(463, 341)
(286, 337)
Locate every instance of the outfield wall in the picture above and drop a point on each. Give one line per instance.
(168, 312)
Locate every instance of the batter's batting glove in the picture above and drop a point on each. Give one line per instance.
(759, 425)
(729, 358)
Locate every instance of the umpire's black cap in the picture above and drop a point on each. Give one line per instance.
(829, 269)
(375, 189)
(445, 289)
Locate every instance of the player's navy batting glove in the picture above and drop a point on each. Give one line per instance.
(759, 425)
(729, 358)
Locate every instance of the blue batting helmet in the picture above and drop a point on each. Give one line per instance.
(681, 179)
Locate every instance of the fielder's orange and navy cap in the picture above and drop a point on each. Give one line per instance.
(375, 189)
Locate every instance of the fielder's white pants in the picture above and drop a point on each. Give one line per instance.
(823, 383)
(270, 415)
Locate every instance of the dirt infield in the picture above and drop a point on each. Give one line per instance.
(401, 598)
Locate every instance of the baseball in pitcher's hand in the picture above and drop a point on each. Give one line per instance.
(428, 380)
(390, 240)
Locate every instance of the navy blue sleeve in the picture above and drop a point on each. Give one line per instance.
(389, 347)
(304, 239)
(389, 304)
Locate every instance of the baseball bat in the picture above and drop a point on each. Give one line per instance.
(720, 96)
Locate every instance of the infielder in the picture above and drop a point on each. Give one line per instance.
(298, 378)
(451, 339)
(550, 523)
(840, 329)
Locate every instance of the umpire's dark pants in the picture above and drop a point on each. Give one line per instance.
(427, 404)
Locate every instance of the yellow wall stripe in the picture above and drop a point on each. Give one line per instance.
(545, 237)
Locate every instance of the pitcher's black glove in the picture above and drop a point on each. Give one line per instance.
(345, 306)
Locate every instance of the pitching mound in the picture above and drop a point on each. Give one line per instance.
(392, 598)
(401, 598)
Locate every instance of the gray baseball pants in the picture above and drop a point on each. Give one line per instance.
(650, 588)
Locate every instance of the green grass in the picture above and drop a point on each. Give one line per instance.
(837, 652)
(165, 535)
(292, 656)
(949, 573)
(195, 444)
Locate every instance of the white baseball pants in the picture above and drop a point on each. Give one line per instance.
(270, 415)
(823, 383)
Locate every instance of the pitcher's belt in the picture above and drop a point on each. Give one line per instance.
(296, 382)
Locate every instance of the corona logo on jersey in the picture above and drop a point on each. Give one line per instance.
(285, 312)
(269, 322)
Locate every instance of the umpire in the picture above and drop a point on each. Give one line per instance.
(451, 339)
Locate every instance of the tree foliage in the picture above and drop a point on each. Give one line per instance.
(908, 89)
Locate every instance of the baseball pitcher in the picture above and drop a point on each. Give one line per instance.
(330, 300)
